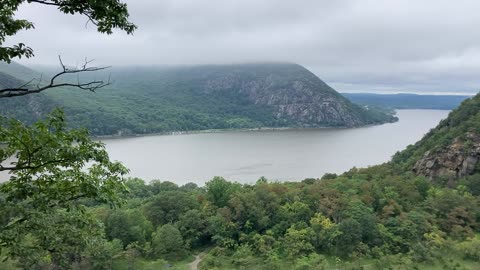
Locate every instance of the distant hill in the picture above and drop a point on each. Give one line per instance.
(407, 101)
(159, 99)
(26, 108)
(449, 151)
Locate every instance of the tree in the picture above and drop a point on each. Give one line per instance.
(168, 206)
(193, 226)
(243, 257)
(56, 240)
(324, 230)
(54, 169)
(298, 242)
(349, 238)
(100, 254)
(167, 242)
(106, 15)
(49, 180)
(358, 211)
(137, 188)
(129, 226)
(50, 161)
(219, 191)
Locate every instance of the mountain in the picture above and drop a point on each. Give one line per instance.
(162, 99)
(449, 151)
(8, 81)
(26, 108)
(407, 101)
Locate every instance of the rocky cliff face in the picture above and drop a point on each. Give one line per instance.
(293, 92)
(449, 151)
(457, 160)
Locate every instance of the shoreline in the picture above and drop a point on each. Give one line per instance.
(225, 130)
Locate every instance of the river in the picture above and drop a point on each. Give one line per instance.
(292, 154)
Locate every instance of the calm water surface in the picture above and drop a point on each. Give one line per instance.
(245, 156)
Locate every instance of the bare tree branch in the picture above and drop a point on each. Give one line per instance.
(45, 2)
(29, 88)
(30, 167)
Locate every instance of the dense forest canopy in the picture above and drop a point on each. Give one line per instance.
(383, 217)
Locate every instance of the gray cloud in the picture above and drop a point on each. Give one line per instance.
(357, 45)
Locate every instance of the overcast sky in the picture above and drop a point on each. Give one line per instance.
(363, 45)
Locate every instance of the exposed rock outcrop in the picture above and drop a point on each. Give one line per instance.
(292, 91)
(457, 160)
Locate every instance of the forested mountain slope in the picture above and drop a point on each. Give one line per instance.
(26, 108)
(146, 100)
(452, 149)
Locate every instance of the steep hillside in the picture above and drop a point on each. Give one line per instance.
(18, 71)
(452, 149)
(27, 108)
(160, 99)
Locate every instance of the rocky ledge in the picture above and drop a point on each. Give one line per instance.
(457, 160)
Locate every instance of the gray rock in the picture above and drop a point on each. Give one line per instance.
(451, 162)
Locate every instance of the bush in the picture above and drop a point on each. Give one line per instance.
(210, 262)
(168, 243)
(243, 256)
(312, 261)
(470, 249)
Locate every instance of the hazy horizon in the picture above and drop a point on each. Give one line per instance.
(355, 46)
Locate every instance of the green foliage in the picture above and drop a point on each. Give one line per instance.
(101, 254)
(243, 256)
(461, 121)
(363, 219)
(168, 206)
(48, 150)
(167, 242)
(135, 227)
(53, 171)
(471, 249)
(349, 237)
(137, 188)
(105, 15)
(312, 261)
(193, 224)
(298, 242)
(375, 218)
(219, 191)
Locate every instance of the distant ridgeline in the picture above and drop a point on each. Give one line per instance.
(159, 99)
(407, 101)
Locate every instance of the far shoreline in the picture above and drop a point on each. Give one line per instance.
(225, 130)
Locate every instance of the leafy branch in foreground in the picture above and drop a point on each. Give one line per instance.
(54, 169)
(34, 85)
(106, 15)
